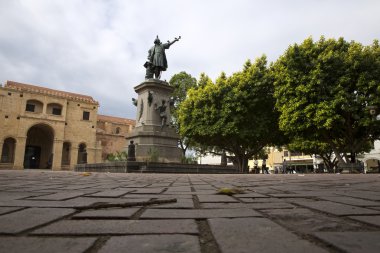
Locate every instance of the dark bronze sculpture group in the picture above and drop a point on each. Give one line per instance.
(157, 61)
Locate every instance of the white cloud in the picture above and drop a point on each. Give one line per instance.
(97, 47)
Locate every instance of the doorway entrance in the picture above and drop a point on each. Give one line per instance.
(39, 147)
(32, 157)
(8, 153)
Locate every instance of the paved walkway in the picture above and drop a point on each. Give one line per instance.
(276, 213)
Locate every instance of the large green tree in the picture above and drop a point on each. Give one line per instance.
(324, 89)
(235, 114)
(181, 82)
(314, 147)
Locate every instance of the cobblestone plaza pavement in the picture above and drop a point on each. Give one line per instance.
(40, 212)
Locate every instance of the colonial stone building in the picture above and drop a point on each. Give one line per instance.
(50, 129)
(111, 132)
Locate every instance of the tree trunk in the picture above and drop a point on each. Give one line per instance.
(338, 156)
(353, 157)
(183, 148)
(328, 163)
(242, 162)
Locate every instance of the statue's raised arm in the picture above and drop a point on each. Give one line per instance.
(157, 61)
(175, 40)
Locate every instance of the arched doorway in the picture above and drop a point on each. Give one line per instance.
(39, 147)
(82, 153)
(8, 153)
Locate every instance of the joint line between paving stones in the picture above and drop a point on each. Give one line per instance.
(13, 211)
(138, 214)
(98, 244)
(206, 238)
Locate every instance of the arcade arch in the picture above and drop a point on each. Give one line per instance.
(8, 150)
(82, 153)
(39, 147)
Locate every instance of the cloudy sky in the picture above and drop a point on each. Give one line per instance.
(98, 47)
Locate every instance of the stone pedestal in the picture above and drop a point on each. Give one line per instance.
(155, 139)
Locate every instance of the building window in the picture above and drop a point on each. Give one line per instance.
(118, 130)
(34, 106)
(86, 115)
(286, 153)
(30, 108)
(295, 153)
(56, 111)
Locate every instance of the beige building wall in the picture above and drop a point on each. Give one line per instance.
(45, 128)
(111, 132)
(277, 156)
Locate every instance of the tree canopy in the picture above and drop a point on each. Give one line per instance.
(235, 114)
(324, 90)
(181, 82)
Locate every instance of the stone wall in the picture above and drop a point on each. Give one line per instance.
(143, 167)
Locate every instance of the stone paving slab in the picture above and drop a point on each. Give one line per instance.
(44, 245)
(257, 206)
(363, 194)
(181, 203)
(76, 202)
(353, 242)
(59, 196)
(198, 213)
(307, 221)
(277, 213)
(179, 189)
(251, 195)
(352, 201)
(337, 208)
(112, 227)
(373, 220)
(4, 210)
(28, 218)
(109, 193)
(110, 213)
(7, 195)
(216, 198)
(263, 200)
(152, 243)
(254, 235)
(205, 192)
(271, 205)
(148, 191)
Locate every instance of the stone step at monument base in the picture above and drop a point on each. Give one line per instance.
(151, 167)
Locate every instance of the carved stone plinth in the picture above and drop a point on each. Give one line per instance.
(153, 136)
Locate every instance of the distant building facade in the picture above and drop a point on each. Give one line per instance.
(281, 159)
(285, 161)
(48, 129)
(111, 132)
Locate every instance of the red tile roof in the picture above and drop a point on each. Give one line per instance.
(42, 90)
(117, 120)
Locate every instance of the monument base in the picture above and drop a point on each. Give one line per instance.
(156, 145)
(155, 140)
